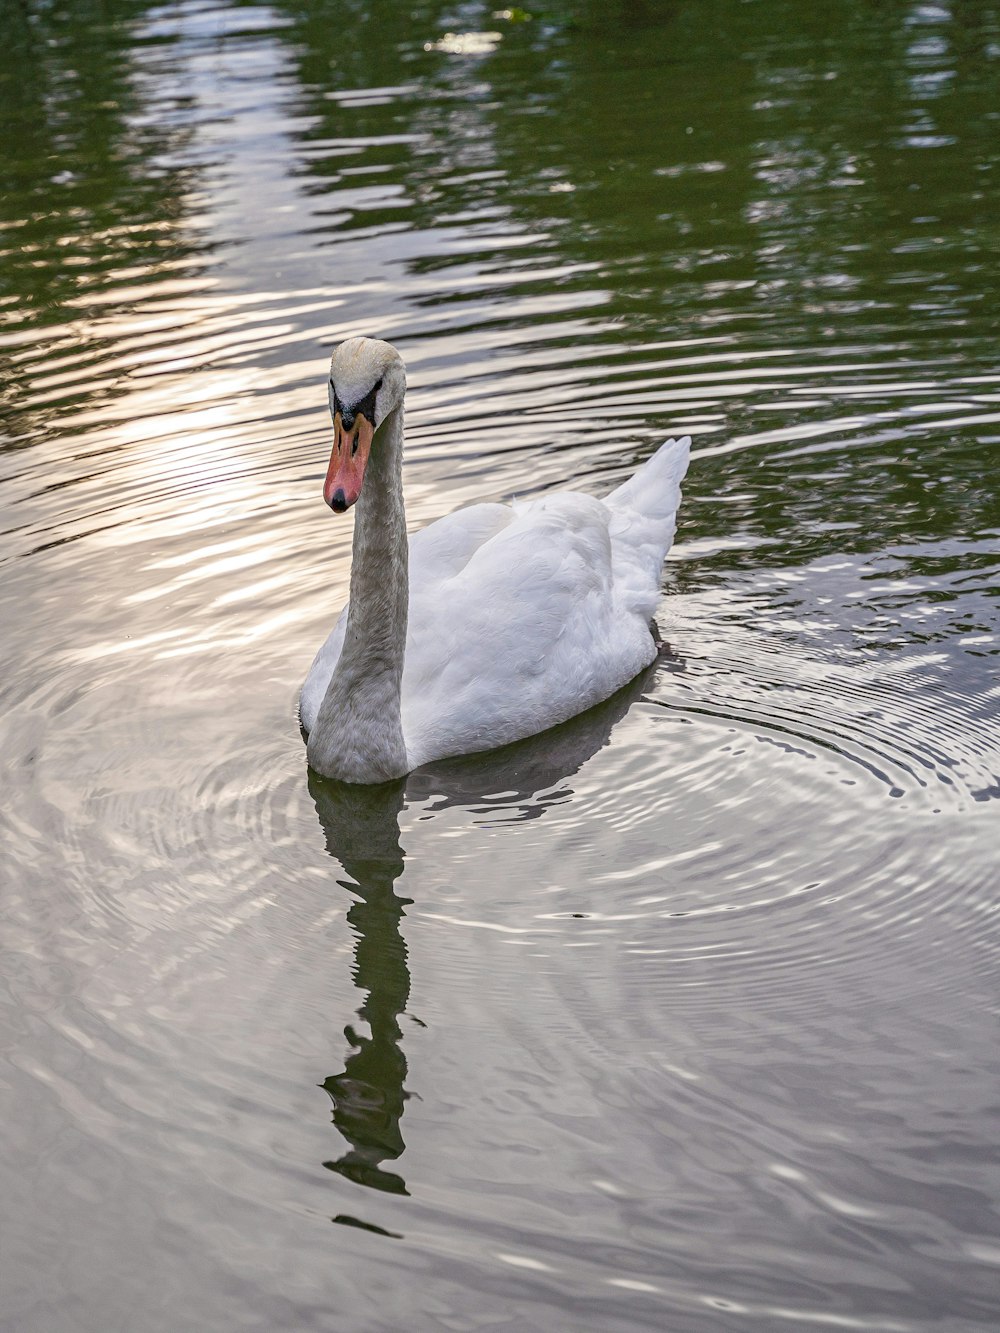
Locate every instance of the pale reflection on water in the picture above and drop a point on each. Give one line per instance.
(683, 1015)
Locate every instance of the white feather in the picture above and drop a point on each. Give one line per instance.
(520, 617)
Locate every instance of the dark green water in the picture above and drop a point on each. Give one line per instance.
(682, 1018)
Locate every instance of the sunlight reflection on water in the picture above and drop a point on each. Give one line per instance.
(682, 1014)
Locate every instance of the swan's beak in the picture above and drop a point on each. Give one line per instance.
(347, 462)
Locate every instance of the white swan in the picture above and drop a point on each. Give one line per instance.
(490, 624)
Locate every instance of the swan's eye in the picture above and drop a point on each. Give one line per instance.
(378, 385)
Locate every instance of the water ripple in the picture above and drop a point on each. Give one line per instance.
(682, 1012)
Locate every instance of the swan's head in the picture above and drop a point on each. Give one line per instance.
(367, 382)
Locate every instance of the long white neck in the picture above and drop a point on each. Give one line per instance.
(358, 733)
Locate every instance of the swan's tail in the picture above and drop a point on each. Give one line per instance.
(654, 489)
(644, 510)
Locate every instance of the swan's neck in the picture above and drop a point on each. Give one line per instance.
(358, 733)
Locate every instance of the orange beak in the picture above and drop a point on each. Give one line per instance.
(347, 462)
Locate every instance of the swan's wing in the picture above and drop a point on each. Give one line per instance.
(524, 634)
(437, 553)
(445, 547)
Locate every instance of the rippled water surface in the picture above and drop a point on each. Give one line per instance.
(682, 1017)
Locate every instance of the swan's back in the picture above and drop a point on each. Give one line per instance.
(546, 617)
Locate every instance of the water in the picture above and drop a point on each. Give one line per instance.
(682, 1017)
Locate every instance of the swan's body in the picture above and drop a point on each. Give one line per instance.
(489, 625)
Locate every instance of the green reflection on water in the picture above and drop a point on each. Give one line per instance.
(809, 181)
(746, 220)
(92, 203)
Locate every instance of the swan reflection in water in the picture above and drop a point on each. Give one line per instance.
(361, 826)
(362, 831)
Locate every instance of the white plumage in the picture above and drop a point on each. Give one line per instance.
(518, 616)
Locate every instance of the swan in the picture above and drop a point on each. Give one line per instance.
(489, 625)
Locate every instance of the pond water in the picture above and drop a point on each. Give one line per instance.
(684, 1016)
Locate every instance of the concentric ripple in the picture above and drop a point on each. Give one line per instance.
(681, 1015)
